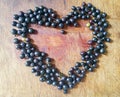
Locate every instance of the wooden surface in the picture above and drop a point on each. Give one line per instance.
(16, 80)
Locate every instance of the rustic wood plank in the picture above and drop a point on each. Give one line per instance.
(16, 80)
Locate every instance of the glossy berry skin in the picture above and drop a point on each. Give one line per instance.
(63, 32)
(14, 23)
(16, 17)
(14, 31)
(16, 41)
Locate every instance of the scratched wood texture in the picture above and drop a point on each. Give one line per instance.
(16, 80)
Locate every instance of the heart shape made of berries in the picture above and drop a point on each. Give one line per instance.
(40, 62)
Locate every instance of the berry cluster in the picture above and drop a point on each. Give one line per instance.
(40, 62)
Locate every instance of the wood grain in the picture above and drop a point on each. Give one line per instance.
(16, 80)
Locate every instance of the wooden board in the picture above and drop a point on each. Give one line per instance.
(16, 80)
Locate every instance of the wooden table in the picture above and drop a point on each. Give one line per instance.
(16, 79)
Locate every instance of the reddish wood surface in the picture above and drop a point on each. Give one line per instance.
(64, 49)
(16, 80)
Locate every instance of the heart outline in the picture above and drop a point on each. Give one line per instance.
(61, 75)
